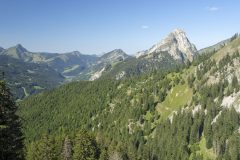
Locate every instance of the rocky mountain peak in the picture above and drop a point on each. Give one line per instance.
(178, 31)
(1, 49)
(115, 55)
(140, 53)
(75, 53)
(116, 52)
(20, 49)
(18, 52)
(177, 45)
(106, 61)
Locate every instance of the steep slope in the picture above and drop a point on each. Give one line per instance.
(137, 66)
(218, 46)
(114, 56)
(176, 44)
(175, 49)
(180, 114)
(228, 49)
(28, 78)
(17, 52)
(107, 61)
(71, 64)
(21, 53)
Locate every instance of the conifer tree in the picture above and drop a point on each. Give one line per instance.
(233, 149)
(11, 138)
(46, 148)
(235, 84)
(33, 152)
(85, 147)
(104, 154)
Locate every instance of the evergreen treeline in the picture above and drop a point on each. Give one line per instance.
(82, 145)
(11, 138)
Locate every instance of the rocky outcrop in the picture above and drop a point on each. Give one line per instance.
(97, 74)
(107, 61)
(114, 56)
(176, 44)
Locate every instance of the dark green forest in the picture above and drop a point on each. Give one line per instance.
(11, 137)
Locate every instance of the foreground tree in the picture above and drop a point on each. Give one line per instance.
(47, 147)
(85, 147)
(11, 138)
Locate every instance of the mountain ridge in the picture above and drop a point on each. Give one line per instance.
(77, 66)
(219, 45)
(176, 44)
(115, 64)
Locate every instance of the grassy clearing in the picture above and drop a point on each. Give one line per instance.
(177, 97)
(207, 153)
(229, 49)
(70, 69)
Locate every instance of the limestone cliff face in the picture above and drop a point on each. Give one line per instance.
(176, 44)
(115, 55)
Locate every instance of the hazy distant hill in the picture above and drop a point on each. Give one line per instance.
(26, 78)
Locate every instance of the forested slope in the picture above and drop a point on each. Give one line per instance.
(190, 112)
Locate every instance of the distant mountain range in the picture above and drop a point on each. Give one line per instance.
(173, 50)
(26, 78)
(28, 69)
(58, 68)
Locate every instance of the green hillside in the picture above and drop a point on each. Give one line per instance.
(176, 114)
(230, 49)
(219, 45)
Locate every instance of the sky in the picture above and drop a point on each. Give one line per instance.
(99, 26)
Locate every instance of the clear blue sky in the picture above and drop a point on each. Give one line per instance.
(97, 26)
